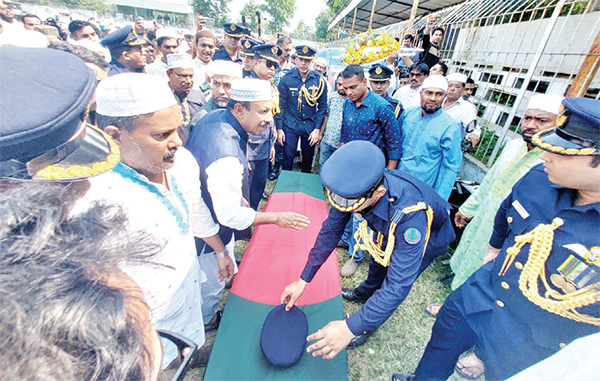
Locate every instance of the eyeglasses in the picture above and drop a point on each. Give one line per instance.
(271, 64)
(184, 76)
(415, 75)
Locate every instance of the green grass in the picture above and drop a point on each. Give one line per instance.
(397, 346)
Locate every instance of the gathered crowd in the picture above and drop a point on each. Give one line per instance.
(133, 159)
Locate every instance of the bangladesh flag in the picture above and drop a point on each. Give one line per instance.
(274, 258)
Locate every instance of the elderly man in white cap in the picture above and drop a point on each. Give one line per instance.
(460, 109)
(219, 143)
(431, 150)
(223, 74)
(157, 185)
(180, 72)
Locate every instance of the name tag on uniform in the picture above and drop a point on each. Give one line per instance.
(520, 209)
(293, 88)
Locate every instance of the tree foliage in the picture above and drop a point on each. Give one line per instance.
(303, 32)
(321, 24)
(281, 11)
(216, 9)
(249, 11)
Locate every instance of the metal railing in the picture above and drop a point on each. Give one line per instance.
(513, 49)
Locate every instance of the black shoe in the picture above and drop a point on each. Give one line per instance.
(238, 257)
(202, 356)
(214, 322)
(230, 283)
(273, 175)
(403, 377)
(342, 245)
(360, 339)
(350, 295)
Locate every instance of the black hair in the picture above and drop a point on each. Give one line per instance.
(470, 80)
(410, 37)
(162, 39)
(436, 29)
(283, 40)
(60, 319)
(30, 15)
(232, 102)
(421, 67)
(595, 161)
(127, 123)
(150, 34)
(76, 25)
(443, 66)
(84, 53)
(352, 70)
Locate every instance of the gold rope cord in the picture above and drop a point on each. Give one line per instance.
(564, 305)
(374, 248)
(275, 93)
(311, 97)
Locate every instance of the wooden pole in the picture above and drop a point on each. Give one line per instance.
(413, 14)
(587, 71)
(353, 21)
(372, 13)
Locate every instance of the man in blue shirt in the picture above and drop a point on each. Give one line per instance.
(431, 150)
(232, 44)
(408, 219)
(366, 116)
(303, 104)
(540, 287)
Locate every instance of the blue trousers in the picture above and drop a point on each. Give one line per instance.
(348, 238)
(326, 151)
(257, 179)
(289, 150)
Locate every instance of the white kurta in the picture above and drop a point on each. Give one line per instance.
(464, 113)
(172, 216)
(408, 97)
(158, 68)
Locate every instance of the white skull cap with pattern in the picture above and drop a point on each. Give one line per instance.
(435, 81)
(180, 60)
(251, 90)
(457, 77)
(133, 94)
(225, 68)
(545, 102)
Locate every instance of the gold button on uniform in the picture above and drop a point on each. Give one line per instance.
(499, 303)
(519, 265)
(562, 345)
(505, 285)
(509, 219)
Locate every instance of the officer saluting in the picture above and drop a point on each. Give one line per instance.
(303, 104)
(540, 287)
(379, 79)
(407, 219)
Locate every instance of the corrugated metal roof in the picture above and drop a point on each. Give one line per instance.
(386, 12)
(165, 6)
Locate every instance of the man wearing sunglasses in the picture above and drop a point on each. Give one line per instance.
(406, 222)
(409, 95)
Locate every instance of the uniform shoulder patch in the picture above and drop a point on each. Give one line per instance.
(412, 236)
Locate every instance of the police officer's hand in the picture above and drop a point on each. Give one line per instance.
(474, 139)
(226, 269)
(272, 155)
(292, 220)
(292, 292)
(332, 338)
(280, 137)
(314, 137)
(460, 220)
(492, 253)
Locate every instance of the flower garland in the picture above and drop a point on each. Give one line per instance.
(370, 46)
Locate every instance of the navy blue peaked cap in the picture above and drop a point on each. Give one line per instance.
(233, 30)
(283, 336)
(380, 72)
(351, 173)
(577, 129)
(45, 97)
(269, 52)
(305, 51)
(125, 36)
(248, 44)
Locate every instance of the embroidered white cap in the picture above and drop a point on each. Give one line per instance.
(133, 94)
(251, 90)
(545, 102)
(225, 68)
(180, 60)
(457, 77)
(435, 81)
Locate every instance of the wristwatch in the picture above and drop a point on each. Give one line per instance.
(221, 255)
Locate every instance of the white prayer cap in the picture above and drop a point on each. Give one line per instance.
(166, 32)
(251, 90)
(24, 39)
(133, 94)
(180, 60)
(545, 102)
(435, 81)
(322, 61)
(457, 77)
(226, 68)
(94, 47)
